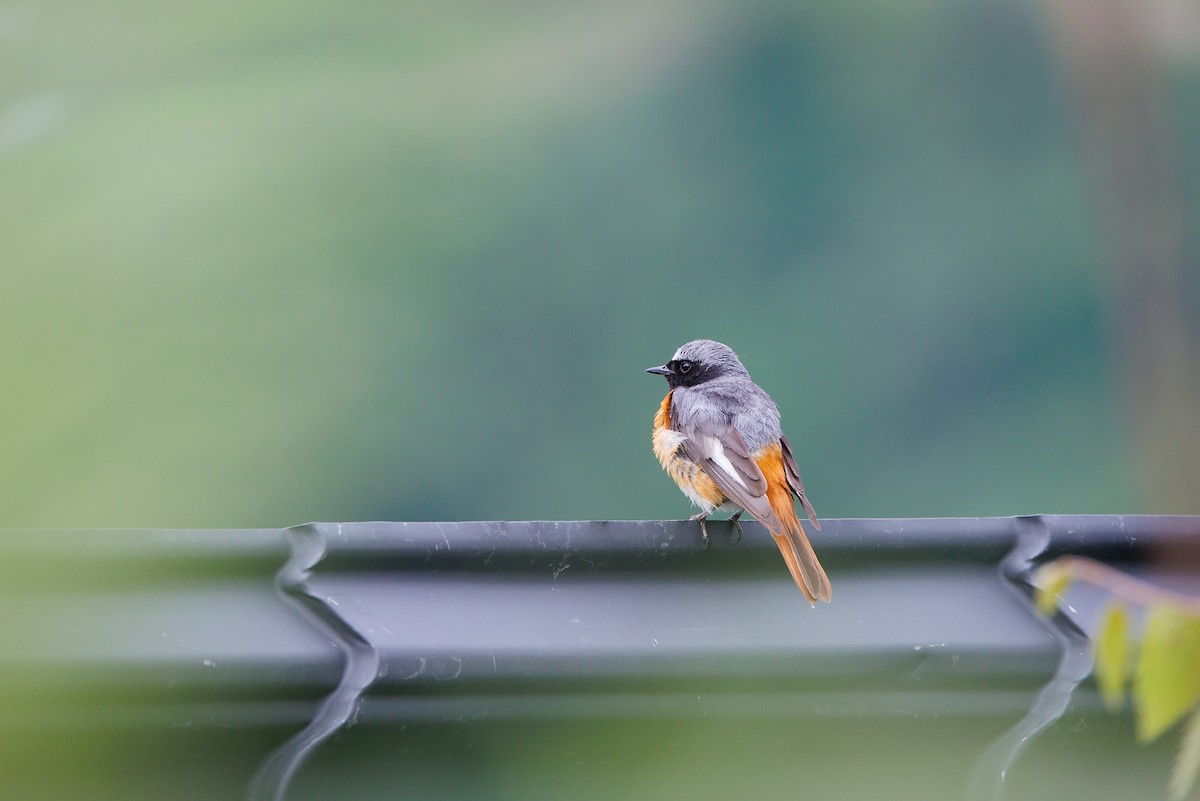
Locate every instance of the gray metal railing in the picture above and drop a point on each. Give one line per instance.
(288, 637)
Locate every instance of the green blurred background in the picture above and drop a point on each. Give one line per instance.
(266, 263)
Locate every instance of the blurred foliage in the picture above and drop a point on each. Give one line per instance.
(269, 263)
(1163, 663)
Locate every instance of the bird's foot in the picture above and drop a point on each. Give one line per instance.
(737, 527)
(702, 517)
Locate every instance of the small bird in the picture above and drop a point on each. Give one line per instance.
(717, 435)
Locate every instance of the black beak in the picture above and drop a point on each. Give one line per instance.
(661, 370)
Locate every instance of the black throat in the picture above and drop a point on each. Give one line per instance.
(685, 373)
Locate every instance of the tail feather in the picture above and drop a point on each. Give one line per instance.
(802, 562)
(789, 535)
(789, 556)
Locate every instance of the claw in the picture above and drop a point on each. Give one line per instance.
(737, 526)
(701, 518)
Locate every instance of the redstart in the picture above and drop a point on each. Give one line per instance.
(717, 435)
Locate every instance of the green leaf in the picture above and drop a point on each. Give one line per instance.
(1167, 682)
(1187, 761)
(1113, 655)
(1050, 582)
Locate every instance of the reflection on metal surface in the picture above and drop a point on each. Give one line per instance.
(992, 769)
(340, 706)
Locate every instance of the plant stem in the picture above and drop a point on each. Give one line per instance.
(1125, 586)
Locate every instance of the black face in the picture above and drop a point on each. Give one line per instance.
(682, 372)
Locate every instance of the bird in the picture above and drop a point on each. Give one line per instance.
(717, 434)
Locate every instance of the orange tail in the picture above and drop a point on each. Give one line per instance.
(802, 563)
(793, 543)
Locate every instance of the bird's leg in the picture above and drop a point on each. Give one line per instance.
(737, 526)
(703, 516)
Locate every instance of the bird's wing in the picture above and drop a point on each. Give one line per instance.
(713, 443)
(793, 480)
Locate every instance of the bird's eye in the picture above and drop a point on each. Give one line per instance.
(685, 367)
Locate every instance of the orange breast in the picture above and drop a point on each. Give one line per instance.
(668, 449)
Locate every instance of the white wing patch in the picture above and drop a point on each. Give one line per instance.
(722, 461)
